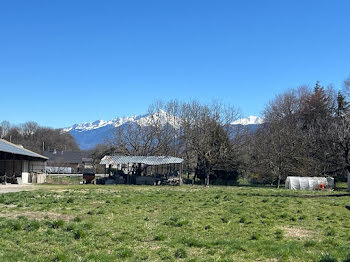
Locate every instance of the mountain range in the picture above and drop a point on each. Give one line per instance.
(90, 134)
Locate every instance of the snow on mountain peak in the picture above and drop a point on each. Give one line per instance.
(89, 134)
(160, 117)
(88, 125)
(251, 120)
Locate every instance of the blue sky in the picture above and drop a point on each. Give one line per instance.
(70, 61)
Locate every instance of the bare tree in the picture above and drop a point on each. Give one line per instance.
(36, 138)
(278, 147)
(202, 134)
(5, 127)
(206, 132)
(304, 134)
(347, 86)
(152, 136)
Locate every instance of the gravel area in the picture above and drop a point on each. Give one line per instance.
(14, 188)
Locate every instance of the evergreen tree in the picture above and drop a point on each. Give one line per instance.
(342, 105)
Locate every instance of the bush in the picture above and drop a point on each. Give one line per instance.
(88, 226)
(15, 225)
(207, 227)
(159, 237)
(59, 257)
(309, 243)
(192, 242)
(279, 234)
(224, 220)
(71, 227)
(57, 224)
(79, 234)
(77, 219)
(326, 257)
(176, 222)
(180, 253)
(32, 225)
(255, 236)
(242, 220)
(330, 231)
(225, 177)
(347, 259)
(124, 252)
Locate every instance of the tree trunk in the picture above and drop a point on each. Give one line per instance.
(279, 182)
(348, 175)
(180, 176)
(207, 180)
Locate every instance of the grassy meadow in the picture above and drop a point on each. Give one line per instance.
(187, 223)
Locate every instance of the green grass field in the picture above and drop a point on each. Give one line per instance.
(148, 223)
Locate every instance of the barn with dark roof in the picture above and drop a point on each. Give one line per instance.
(67, 161)
(20, 165)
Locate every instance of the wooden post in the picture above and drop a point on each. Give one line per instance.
(5, 169)
(180, 174)
(13, 167)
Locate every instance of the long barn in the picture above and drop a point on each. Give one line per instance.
(20, 165)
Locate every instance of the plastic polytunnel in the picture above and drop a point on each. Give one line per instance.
(308, 183)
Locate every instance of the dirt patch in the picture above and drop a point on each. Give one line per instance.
(66, 191)
(8, 206)
(15, 188)
(61, 190)
(38, 215)
(295, 232)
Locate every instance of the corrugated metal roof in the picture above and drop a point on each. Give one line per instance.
(147, 160)
(8, 147)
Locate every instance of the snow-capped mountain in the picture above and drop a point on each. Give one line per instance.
(251, 120)
(90, 134)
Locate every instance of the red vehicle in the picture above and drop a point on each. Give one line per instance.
(89, 178)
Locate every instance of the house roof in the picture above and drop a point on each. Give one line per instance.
(8, 147)
(147, 160)
(73, 157)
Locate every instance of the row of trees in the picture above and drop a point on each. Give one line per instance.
(306, 132)
(37, 138)
(202, 134)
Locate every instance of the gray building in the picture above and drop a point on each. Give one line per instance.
(67, 162)
(20, 165)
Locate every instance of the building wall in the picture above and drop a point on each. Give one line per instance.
(25, 166)
(74, 166)
(29, 171)
(37, 166)
(9, 167)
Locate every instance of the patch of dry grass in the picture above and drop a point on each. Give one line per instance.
(37, 215)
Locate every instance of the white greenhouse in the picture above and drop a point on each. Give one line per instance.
(308, 183)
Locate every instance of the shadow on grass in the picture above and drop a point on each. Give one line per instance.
(258, 185)
(295, 195)
(342, 191)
